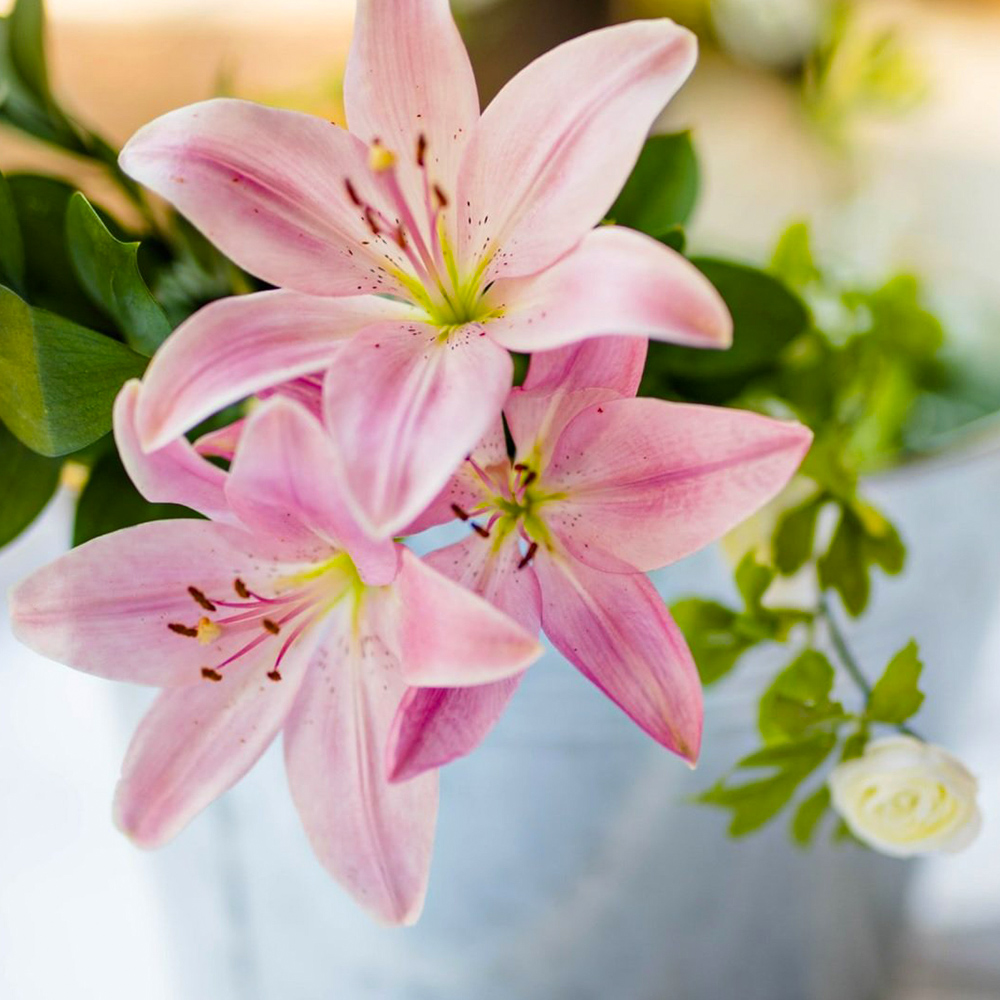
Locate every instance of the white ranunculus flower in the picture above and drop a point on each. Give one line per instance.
(906, 797)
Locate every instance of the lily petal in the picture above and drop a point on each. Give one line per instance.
(197, 741)
(174, 474)
(375, 838)
(451, 637)
(409, 75)
(404, 407)
(556, 145)
(466, 489)
(284, 485)
(616, 630)
(105, 607)
(649, 482)
(238, 346)
(615, 363)
(266, 186)
(616, 281)
(221, 443)
(437, 725)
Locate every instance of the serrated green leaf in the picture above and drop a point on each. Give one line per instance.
(792, 543)
(799, 699)
(26, 486)
(844, 566)
(11, 244)
(709, 629)
(109, 272)
(807, 816)
(109, 502)
(767, 316)
(58, 380)
(896, 696)
(756, 802)
(662, 190)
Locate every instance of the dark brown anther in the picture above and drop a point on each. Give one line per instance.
(400, 237)
(529, 555)
(273, 627)
(421, 149)
(201, 599)
(183, 629)
(372, 224)
(241, 589)
(442, 198)
(211, 675)
(520, 467)
(459, 513)
(479, 529)
(352, 194)
(274, 675)
(530, 478)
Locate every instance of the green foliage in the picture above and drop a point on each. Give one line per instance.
(896, 696)
(662, 190)
(864, 538)
(11, 244)
(109, 502)
(108, 270)
(753, 803)
(859, 71)
(794, 535)
(58, 380)
(718, 636)
(26, 486)
(27, 102)
(809, 814)
(798, 699)
(41, 204)
(767, 317)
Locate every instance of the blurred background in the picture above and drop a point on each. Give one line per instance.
(876, 121)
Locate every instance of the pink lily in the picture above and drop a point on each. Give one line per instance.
(603, 488)
(415, 249)
(285, 619)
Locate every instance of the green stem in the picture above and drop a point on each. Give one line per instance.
(847, 658)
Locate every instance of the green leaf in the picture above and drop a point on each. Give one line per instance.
(57, 380)
(109, 272)
(808, 815)
(51, 283)
(756, 802)
(27, 47)
(675, 238)
(109, 501)
(798, 699)
(792, 543)
(752, 580)
(844, 567)
(767, 317)
(897, 697)
(11, 244)
(26, 486)
(883, 545)
(663, 187)
(710, 631)
(854, 745)
(793, 260)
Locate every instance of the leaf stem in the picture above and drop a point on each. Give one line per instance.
(849, 661)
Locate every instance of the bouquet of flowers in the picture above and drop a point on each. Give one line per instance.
(334, 339)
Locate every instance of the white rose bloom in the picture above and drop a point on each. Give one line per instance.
(906, 797)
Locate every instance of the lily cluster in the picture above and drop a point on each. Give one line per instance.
(409, 254)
